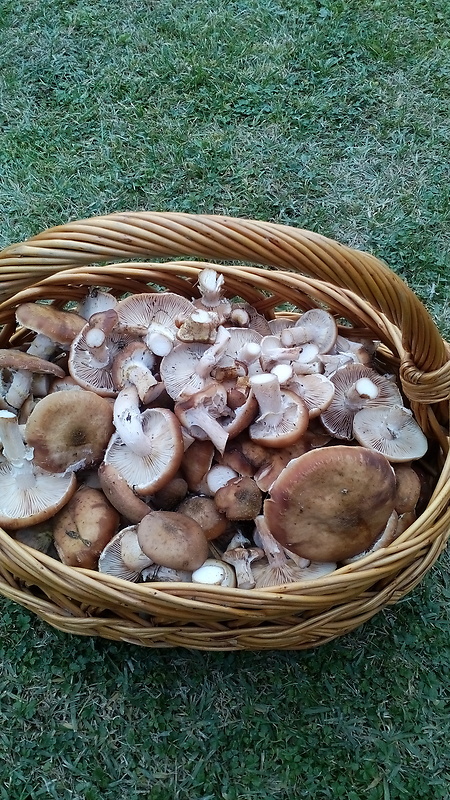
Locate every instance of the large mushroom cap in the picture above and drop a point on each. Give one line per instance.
(173, 540)
(331, 503)
(69, 429)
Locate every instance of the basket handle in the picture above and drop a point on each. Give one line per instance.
(122, 235)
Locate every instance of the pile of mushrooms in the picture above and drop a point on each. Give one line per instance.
(158, 438)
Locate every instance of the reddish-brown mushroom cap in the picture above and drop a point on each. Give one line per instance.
(331, 503)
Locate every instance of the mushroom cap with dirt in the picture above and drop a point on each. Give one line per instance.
(69, 430)
(331, 503)
(153, 317)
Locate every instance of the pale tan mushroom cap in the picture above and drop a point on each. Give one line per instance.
(331, 503)
(391, 431)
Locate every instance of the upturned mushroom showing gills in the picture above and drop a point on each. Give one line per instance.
(147, 448)
(283, 417)
(28, 495)
(355, 387)
(331, 503)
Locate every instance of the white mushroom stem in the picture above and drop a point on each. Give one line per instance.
(20, 387)
(14, 447)
(202, 418)
(96, 332)
(266, 388)
(210, 285)
(159, 340)
(263, 538)
(298, 334)
(249, 356)
(366, 389)
(128, 422)
(212, 355)
(284, 373)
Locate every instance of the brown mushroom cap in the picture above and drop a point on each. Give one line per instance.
(173, 540)
(83, 528)
(332, 502)
(59, 326)
(69, 429)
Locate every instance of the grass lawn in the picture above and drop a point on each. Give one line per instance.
(325, 114)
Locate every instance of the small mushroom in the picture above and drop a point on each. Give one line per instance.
(204, 510)
(408, 488)
(241, 558)
(315, 326)
(122, 556)
(173, 540)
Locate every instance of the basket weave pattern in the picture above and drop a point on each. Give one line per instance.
(115, 252)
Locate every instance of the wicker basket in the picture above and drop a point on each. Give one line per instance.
(310, 269)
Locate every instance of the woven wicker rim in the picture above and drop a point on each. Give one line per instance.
(309, 269)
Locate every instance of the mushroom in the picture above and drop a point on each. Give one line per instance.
(69, 430)
(147, 448)
(121, 495)
(210, 284)
(204, 510)
(356, 386)
(83, 527)
(122, 556)
(408, 488)
(332, 502)
(392, 431)
(241, 558)
(315, 326)
(214, 573)
(60, 327)
(22, 368)
(91, 366)
(200, 412)
(283, 417)
(133, 366)
(199, 326)
(239, 499)
(28, 495)
(187, 369)
(153, 316)
(173, 540)
(280, 569)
